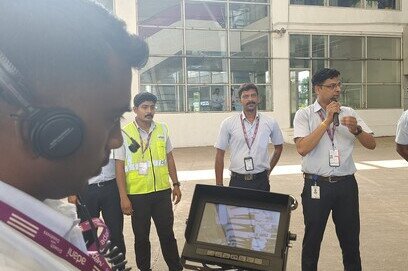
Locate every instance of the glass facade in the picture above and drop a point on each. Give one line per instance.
(201, 51)
(370, 69)
(368, 4)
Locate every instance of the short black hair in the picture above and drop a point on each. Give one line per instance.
(142, 97)
(322, 75)
(246, 87)
(65, 43)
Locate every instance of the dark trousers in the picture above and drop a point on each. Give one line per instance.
(105, 198)
(156, 206)
(340, 198)
(260, 181)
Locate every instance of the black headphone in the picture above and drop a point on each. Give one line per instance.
(53, 132)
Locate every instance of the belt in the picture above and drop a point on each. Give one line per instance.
(247, 177)
(102, 183)
(330, 179)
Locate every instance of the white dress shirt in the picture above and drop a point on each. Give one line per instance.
(18, 252)
(231, 135)
(317, 160)
(402, 129)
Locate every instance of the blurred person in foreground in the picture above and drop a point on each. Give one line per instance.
(65, 76)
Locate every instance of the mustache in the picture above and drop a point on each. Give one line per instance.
(149, 115)
(248, 103)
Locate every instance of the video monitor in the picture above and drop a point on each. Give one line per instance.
(238, 228)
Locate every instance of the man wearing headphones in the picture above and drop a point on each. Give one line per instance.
(65, 76)
(143, 182)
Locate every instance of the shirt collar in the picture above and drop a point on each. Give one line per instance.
(244, 117)
(56, 215)
(317, 107)
(152, 126)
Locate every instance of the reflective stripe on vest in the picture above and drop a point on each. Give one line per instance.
(156, 163)
(157, 177)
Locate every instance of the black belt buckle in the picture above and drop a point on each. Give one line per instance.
(332, 180)
(248, 177)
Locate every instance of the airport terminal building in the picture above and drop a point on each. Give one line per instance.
(201, 51)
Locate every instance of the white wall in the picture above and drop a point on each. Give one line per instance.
(201, 129)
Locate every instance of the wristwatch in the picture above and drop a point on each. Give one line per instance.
(176, 184)
(359, 130)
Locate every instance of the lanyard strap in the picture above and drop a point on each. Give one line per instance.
(141, 141)
(246, 135)
(330, 133)
(51, 241)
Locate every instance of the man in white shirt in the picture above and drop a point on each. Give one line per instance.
(247, 134)
(328, 167)
(401, 137)
(65, 76)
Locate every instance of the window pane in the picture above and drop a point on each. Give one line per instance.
(206, 15)
(351, 95)
(345, 3)
(158, 12)
(249, 70)
(383, 48)
(247, 16)
(208, 43)
(317, 65)
(254, 1)
(300, 63)
(162, 70)
(299, 46)
(198, 98)
(207, 70)
(380, 96)
(257, 47)
(169, 98)
(346, 47)
(319, 46)
(156, 37)
(383, 4)
(299, 91)
(308, 2)
(383, 71)
(351, 71)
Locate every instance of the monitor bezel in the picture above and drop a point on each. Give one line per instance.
(240, 198)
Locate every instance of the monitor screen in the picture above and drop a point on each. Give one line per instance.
(239, 227)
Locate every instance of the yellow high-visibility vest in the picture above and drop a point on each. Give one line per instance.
(157, 177)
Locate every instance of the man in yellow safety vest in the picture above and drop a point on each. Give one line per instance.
(143, 182)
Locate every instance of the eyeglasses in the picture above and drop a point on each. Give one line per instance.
(333, 86)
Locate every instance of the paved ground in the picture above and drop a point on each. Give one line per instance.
(383, 185)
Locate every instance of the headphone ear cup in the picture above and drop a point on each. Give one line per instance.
(55, 133)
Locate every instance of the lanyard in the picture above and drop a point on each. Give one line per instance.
(246, 135)
(147, 142)
(330, 133)
(51, 241)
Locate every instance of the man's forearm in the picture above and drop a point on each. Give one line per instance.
(275, 157)
(121, 177)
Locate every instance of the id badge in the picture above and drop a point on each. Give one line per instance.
(143, 168)
(249, 163)
(334, 158)
(315, 191)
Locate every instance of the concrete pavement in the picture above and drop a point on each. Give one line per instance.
(383, 187)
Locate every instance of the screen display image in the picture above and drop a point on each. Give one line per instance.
(239, 227)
